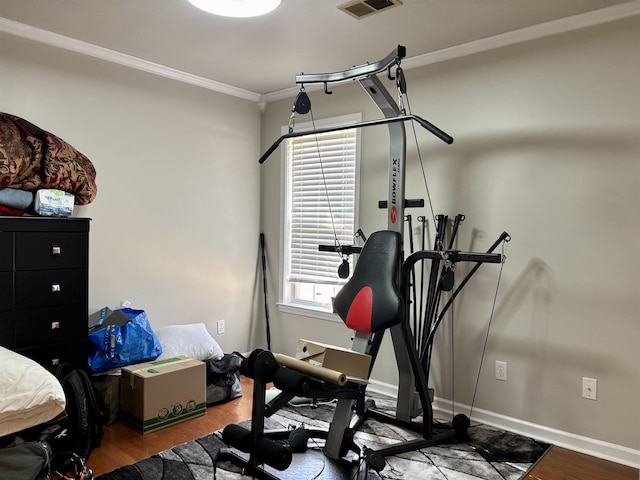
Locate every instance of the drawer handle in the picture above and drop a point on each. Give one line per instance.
(55, 361)
(56, 250)
(55, 325)
(55, 288)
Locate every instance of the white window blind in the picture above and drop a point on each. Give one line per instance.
(321, 204)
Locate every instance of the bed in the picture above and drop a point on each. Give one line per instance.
(30, 395)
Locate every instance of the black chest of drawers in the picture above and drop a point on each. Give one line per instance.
(44, 288)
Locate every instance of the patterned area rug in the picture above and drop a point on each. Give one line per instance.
(486, 454)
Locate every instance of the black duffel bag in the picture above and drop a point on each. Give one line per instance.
(223, 378)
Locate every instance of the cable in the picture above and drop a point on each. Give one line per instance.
(356, 474)
(453, 366)
(300, 405)
(424, 175)
(486, 338)
(326, 188)
(324, 460)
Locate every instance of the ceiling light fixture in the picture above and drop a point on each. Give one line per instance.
(237, 8)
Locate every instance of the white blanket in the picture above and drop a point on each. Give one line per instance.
(29, 394)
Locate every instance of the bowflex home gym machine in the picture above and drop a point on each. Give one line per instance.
(376, 299)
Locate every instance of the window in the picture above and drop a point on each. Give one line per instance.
(321, 172)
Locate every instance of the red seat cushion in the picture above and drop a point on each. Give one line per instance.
(371, 301)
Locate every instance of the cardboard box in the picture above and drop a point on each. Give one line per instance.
(352, 364)
(162, 393)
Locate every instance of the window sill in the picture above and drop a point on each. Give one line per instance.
(309, 312)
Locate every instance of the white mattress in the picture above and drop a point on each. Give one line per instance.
(29, 394)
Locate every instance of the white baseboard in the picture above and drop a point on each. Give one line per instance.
(590, 446)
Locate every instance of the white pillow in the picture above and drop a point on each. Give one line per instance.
(191, 340)
(31, 395)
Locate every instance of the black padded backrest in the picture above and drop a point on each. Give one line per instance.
(370, 301)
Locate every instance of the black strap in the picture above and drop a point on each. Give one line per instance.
(94, 405)
(65, 369)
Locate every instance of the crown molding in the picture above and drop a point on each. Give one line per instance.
(60, 41)
(526, 34)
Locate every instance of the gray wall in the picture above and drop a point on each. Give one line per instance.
(547, 144)
(175, 221)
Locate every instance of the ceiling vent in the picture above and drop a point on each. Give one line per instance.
(364, 8)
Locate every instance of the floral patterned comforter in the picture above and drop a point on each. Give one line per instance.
(32, 158)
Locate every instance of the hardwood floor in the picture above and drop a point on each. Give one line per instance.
(122, 445)
(562, 464)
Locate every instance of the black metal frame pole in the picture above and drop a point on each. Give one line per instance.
(413, 278)
(454, 230)
(433, 279)
(418, 332)
(426, 360)
(264, 287)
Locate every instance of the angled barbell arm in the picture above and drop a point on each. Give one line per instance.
(445, 137)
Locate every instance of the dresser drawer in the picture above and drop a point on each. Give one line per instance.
(43, 326)
(48, 250)
(50, 356)
(6, 291)
(7, 332)
(6, 251)
(46, 288)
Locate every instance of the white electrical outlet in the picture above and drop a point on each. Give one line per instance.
(589, 388)
(501, 370)
(220, 326)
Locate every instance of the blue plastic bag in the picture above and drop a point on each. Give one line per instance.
(120, 343)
